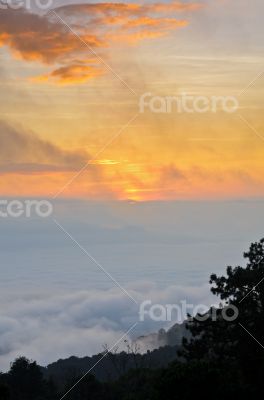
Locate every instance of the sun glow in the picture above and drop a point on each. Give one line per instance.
(72, 121)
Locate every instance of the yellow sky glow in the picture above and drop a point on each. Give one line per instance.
(65, 105)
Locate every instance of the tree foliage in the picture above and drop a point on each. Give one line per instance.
(236, 343)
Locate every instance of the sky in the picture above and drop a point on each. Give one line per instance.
(148, 198)
(71, 98)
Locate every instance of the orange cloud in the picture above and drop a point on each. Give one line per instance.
(173, 6)
(45, 39)
(37, 38)
(168, 23)
(74, 73)
(124, 9)
(134, 38)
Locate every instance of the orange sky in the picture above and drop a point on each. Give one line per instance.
(70, 96)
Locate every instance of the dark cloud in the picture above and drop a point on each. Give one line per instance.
(24, 152)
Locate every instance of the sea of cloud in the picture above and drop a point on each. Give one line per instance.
(46, 326)
(55, 302)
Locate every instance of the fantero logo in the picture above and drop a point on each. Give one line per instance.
(26, 4)
(25, 208)
(180, 312)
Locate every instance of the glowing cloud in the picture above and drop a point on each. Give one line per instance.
(46, 39)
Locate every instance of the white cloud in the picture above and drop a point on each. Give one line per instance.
(46, 326)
